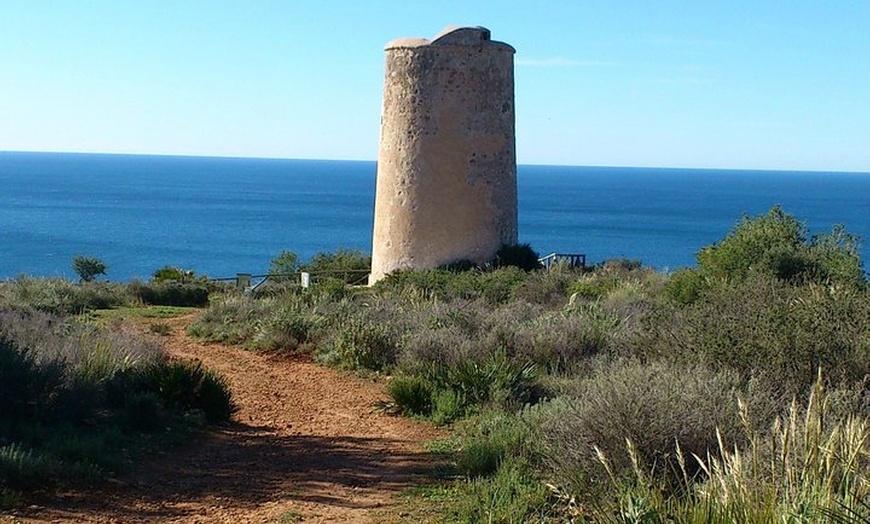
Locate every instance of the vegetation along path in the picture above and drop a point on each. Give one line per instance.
(306, 445)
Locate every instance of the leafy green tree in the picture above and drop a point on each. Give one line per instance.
(88, 268)
(775, 244)
(286, 263)
(349, 266)
(174, 274)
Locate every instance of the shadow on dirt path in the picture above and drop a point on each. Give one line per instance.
(307, 446)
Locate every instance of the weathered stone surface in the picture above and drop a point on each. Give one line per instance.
(446, 185)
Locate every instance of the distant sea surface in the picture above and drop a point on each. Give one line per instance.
(222, 216)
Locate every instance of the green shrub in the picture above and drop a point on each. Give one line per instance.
(804, 464)
(332, 288)
(512, 495)
(176, 383)
(176, 275)
(489, 439)
(494, 285)
(593, 285)
(545, 288)
(85, 350)
(24, 469)
(685, 286)
(495, 378)
(29, 392)
(766, 328)
(231, 319)
(287, 328)
(561, 342)
(425, 282)
(283, 267)
(143, 411)
(412, 395)
(9, 498)
(777, 243)
(358, 344)
(59, 296)
(77, 397)
(521, 256)
(184, 386)
(447, 405)
(652, 405)
(181, 294)
(214, 398)
(807, 467)
(349, 266)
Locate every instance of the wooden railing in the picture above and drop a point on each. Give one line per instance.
(248, 282)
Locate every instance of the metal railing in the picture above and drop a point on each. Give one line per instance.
(571, 260)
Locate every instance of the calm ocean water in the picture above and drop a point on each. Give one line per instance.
(220, 216)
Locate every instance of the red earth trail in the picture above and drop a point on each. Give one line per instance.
(307, 445)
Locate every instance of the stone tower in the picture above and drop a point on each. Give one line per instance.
(446, 183)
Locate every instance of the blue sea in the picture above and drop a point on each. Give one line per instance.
(222, 216)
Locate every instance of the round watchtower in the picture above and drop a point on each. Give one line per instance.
(446, 182)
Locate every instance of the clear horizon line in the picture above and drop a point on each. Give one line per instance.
(592, 166)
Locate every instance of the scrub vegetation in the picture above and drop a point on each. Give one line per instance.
(735, 391)
(83, 395)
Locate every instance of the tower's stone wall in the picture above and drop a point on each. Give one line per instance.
(446, 183)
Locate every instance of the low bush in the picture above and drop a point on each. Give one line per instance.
(28, 391)
(563, 342)
(283, 267)
(544, 288)
(775, 244)
(60, 296)
(424, 282)
(411, 395)
(685, 286)
(766, 328)
(513, 494)
(25, 469)
(495, 379)
(213, 397)
(288, 327)
(488, 440)
(77, 398)
(166, 293)
(347, 266)
(186, 386)
(495, 286)
(521, 256)
(654, 406)
(807, 467)
(85, 350)
(359, 345)
(448, 405)
(231, 319)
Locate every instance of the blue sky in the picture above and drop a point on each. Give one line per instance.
(739, 84)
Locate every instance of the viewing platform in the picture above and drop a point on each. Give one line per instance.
(571, 260)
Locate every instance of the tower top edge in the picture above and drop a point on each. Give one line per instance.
(452, 36)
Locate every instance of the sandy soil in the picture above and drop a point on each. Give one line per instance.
(307, 445)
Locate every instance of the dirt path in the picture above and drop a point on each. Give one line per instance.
(308, 446)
